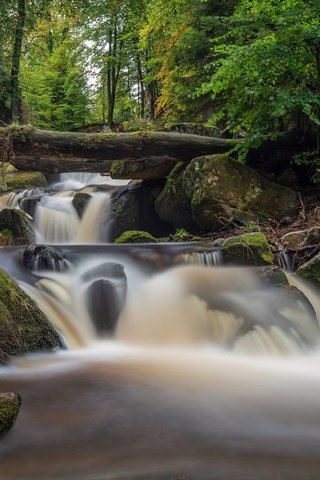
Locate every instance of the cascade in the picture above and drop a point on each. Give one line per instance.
(175, 366)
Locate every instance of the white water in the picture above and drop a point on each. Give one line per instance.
(210, 375)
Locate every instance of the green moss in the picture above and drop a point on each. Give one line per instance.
(25, 180)
(311, 270)
(6, 232)
(9, 407)
(135, 236)
(23, 327)
(118, 169)
(248, 249)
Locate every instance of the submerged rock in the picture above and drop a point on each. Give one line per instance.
(105, 295)
(23, 327)
(222, 190)
(42, 257)
(247, 249)
(9, 408)
(136, 236)
(16, 225)
(110, 270)
(105, 301)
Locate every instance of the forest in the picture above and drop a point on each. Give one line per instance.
(159, 239)
(248, 68)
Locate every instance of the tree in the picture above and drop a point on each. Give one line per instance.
(268, 74)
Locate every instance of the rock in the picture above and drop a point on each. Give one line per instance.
(29, 204)
(80, 202)
(222, 190)
(148, 168)
(247, 249)
(15, 225)
(105, 301)
(135, 236)
(172, 205)
(106, 294)
(311, 270)
(24, 180)
(288, 178)
(42, 257)
(110, 270)
(133, 209)
(301, 238)
(23, 327)
(272, 276)
(9, 408)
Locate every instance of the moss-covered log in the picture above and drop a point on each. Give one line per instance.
(55, 152)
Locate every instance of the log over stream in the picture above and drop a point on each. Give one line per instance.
(142, 155)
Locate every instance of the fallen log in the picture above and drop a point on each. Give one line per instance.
(57, 152)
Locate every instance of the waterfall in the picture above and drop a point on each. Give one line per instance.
(194, 371)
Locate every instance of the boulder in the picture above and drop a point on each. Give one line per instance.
(133, 209)
(105, 301)
(311, 270)
(16, 225)
(105, 295)
(80, 202)
(301, 238)
(135, 236)
(9, 408)
(221, 190)
(42, 257)
(247, 249)
(23, 327)
(172, 205)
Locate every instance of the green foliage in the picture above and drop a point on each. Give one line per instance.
(267, 69)
(181, 235)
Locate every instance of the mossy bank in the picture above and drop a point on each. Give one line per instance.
(23, 327)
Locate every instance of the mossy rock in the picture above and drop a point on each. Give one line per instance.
(135, 236)
(16, 227)
(311, 270)
(23, 327)
(172, 205)
(221, 189)
(247, 249)
(25, 180)
(9, 408)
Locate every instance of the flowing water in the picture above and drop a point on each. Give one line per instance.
(175, 366)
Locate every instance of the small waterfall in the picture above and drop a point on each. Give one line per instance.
(225, 306)
(93, 225)
(13, 199)
(56, 221)
(213, 258)
(285, 261)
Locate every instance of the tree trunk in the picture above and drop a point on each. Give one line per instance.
(56, 152)
(16, 57)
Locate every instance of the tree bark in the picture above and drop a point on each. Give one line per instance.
(16, 57)
(56, 152)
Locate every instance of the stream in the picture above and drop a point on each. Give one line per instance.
(174, 367)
